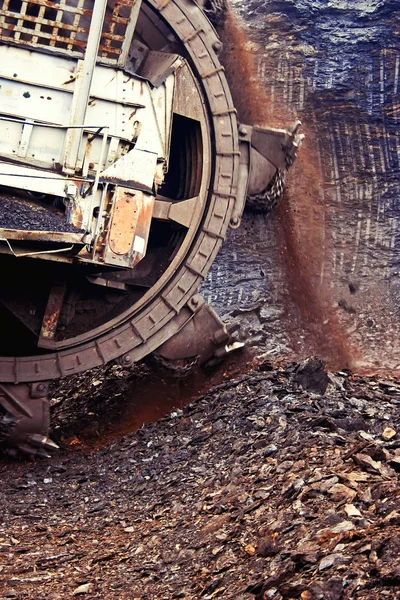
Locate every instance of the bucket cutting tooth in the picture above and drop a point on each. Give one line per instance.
(42, 441)
(25, 422)
(37, 445)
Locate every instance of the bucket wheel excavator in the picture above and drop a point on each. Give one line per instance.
(122, 166)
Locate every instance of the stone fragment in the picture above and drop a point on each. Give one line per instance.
(82, 589)
(367, 463)
(354, 477)
(331, 560)
(366, 496)
(366, 436)
(250, 550)
(342, 493)
(325, 484)
(269, 313)
(342, 527)
(307, 554)
(392, 518)
(336, 381)
(328, 590)
(285, 466)
(395, 462)
(271, 449)
(352, 511)
(311, 376)
(268, 545)
(388, 433)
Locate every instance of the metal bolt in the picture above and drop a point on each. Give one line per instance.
(242, 130)
(217, 46)
(235, 220)
(127, 359)
(194, 301)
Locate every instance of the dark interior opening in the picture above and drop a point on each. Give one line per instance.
(185, 167)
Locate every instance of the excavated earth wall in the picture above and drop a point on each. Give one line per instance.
(324, 272)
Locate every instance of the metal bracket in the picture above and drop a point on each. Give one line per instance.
(204, 336)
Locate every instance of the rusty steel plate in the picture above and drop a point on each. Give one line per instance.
(124, 222)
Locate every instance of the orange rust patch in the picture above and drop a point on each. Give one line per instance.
(124, 223)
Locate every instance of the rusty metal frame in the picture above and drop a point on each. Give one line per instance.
(67, 29)
(52, 313)
(58, 237)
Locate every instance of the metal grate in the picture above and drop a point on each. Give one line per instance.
(64, 26)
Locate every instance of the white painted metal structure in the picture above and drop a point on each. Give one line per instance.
(69, 123)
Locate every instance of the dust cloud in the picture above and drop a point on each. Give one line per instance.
(302, 215)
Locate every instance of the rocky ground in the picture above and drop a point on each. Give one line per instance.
(269, 486)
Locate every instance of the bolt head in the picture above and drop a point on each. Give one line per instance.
(217, 46)
(71, 191)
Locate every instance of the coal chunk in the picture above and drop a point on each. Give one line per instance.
(310, 375)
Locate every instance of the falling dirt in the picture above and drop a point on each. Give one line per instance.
(250, 97)
(301, 216)
(303, 263)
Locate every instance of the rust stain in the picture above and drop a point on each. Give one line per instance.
(124, 223)
(42, 236)
(76, 215)
(52, 313)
